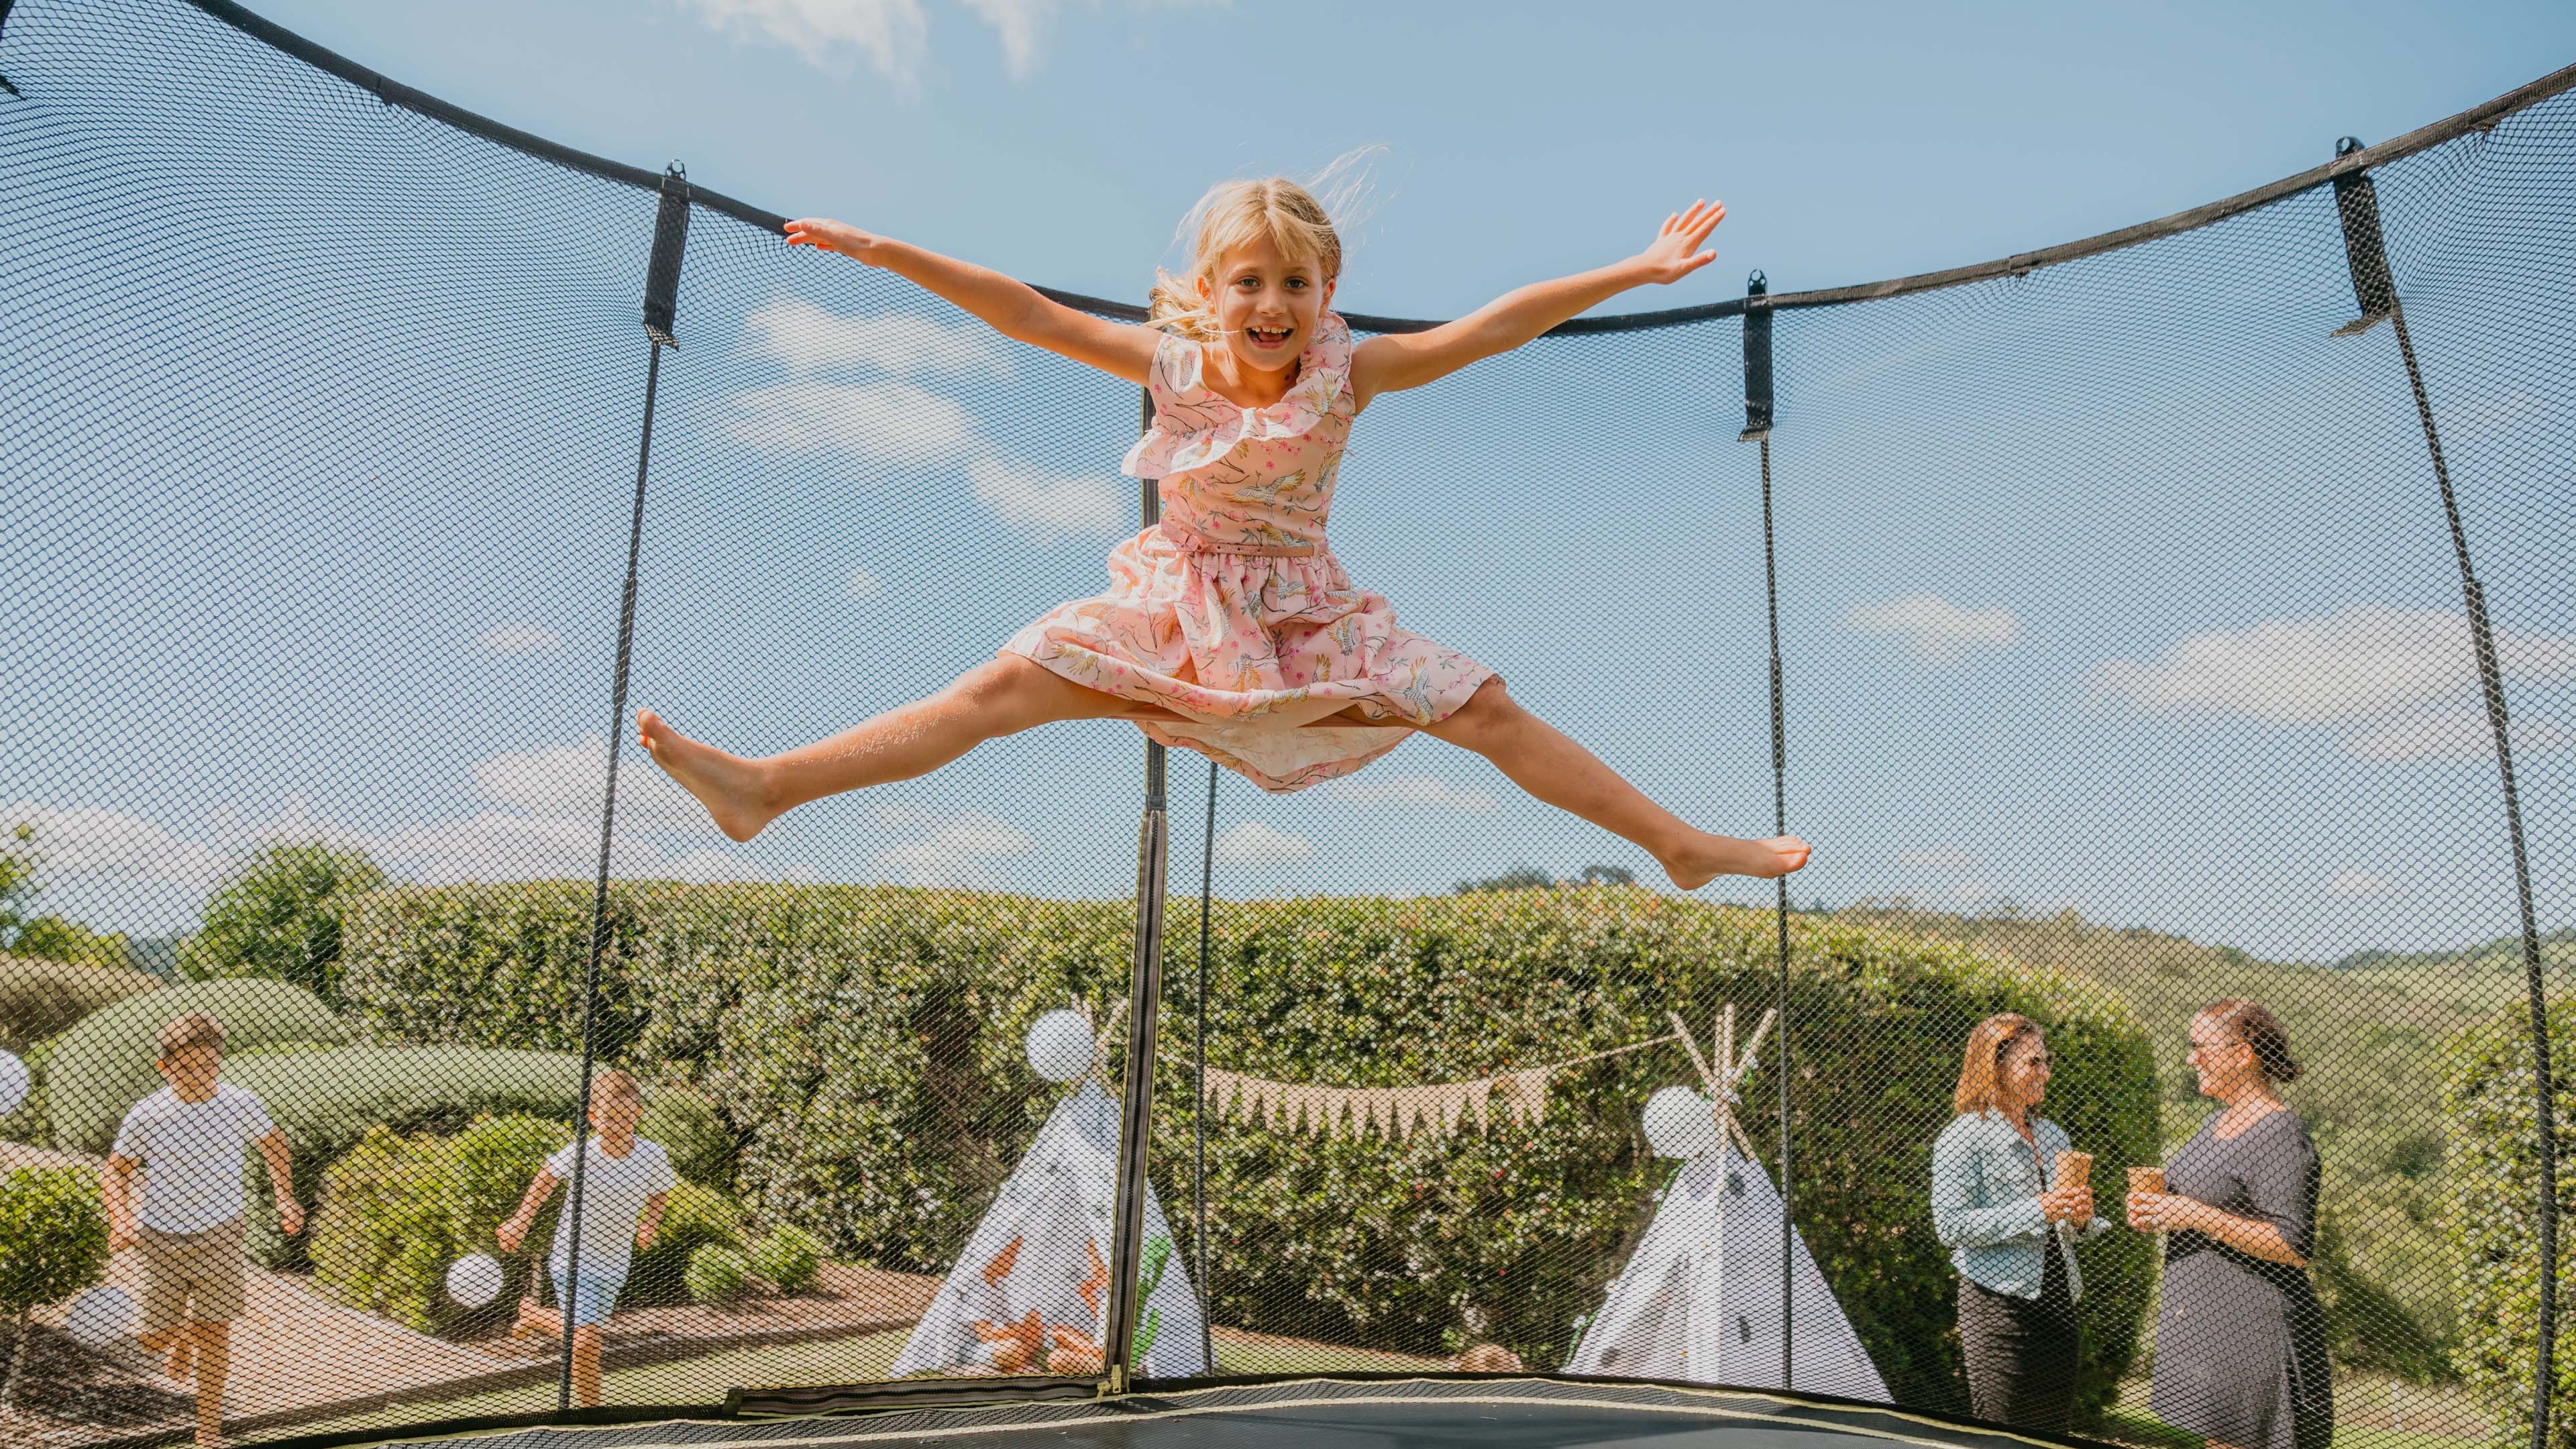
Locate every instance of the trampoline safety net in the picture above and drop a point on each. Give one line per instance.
(2162, 622)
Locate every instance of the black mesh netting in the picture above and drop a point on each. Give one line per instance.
(2125, 669)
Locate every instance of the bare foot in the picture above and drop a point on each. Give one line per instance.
(535, 1320)
(1711, 856)
(730, 786)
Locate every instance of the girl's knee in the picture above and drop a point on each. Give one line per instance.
(1489, 709)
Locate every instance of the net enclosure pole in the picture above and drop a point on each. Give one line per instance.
(2374, 288)
(1758, 408)
(661, 305)
(1198, 1086)
(1144, 995)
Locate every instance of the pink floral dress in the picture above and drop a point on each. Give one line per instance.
(1233, 611)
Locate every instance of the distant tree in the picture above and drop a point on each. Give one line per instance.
(280, 916)
(1608, 875)
(1518, 878)
(50, 938)
(18, 861)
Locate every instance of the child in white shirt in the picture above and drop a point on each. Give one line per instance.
(626, 1181)
(187, 1139)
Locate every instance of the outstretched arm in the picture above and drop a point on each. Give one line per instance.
(1410, 359)
(1012, 308)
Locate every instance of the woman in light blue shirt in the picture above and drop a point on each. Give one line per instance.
(2011, 1237)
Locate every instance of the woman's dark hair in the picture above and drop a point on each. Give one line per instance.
(2250, 1023)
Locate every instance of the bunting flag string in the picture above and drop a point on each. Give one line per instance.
(1398, 1114)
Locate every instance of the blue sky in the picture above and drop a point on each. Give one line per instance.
(2119, 588)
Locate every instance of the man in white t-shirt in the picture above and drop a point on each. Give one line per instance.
(626, 1180)
(187, 1141)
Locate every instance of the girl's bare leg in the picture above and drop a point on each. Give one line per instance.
(1001, 696)
(1541, 760)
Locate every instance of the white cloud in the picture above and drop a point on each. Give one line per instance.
(565, 782)
(889, 422)
(809, 339)
(951, 850)
(705, 866)
(1257, 846)
(496, 845)
(862, 584)
(2306, 671)
(893, 35)
(519, 639)
(1938, 631)
(1939, 857)
(110, 845)
(1418, 792)
(2453, 734)
(2353, 885)
(1020, 24)
(1043, 504)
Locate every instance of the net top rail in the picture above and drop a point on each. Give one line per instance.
(2477, 118)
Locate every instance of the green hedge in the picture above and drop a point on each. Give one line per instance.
(327, 1100)
(864, 1045)
(40, 998)
(397, 1210)
(2493, 1168)
(102, 1067)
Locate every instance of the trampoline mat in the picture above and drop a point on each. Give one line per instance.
(1331, 1414)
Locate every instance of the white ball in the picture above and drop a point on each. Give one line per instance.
(1680, 1123)
(1060, 1046)
(101, 1316)
(13, 1083)
(474, 1280)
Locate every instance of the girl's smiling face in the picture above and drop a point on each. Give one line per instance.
(1267, 303)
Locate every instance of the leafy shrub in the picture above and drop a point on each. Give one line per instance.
(788, 1258)
(716, 1274)
(398, 1210)
(42, 998)
(687, 1126)
(53, 1244)
(279, 916)
(2494, 1221)
(864, 1046)
(103, 1066)
(327, 1100)
(693, 1218)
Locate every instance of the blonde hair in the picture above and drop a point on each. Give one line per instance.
(1287, 214)
(1980, 1066)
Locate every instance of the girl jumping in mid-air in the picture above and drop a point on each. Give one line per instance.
(1229, 627)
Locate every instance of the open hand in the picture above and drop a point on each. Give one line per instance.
(1676, 252)
(834, 236)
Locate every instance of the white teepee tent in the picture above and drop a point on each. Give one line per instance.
(1030, 1293)
(1700, 1298)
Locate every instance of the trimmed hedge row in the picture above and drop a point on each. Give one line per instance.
(399, 1208)
(103, 1066)
(2493, 1168)
(39, 998)
(328, 1100)
(864, 1045)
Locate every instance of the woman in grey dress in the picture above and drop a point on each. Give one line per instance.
(2241, 1342)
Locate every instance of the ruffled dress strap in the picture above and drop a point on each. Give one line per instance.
(1195, 426)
